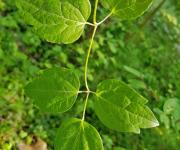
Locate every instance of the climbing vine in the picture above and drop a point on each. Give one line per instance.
(118, 106)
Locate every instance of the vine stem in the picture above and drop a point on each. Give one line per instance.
(87, 58)
(91, 44)
(95, 25)
(85, 105)
(95, 11)
(88, 55)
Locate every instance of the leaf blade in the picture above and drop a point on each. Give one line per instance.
(121, 108)
(55, 90)
(57, 21)
(76, 134)
(127, 10)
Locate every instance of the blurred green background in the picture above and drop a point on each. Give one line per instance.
(144, 53)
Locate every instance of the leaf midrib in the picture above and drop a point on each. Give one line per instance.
(77, 136)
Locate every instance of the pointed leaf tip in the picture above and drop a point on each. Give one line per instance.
(121, 108)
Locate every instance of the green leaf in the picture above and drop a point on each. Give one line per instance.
(121, 108)
(75, 134)
(134, 72)
(55, 90)
(137, 84)
(127, 9)
(172, 107)
(57, 21)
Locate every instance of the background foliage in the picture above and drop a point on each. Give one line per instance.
(144, 53)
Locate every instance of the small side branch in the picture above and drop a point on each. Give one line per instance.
(107, 17)
(80, 92)
(91, 24)
(151, 14)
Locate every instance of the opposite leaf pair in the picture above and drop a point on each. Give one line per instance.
(63, 21)
(117, 105)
